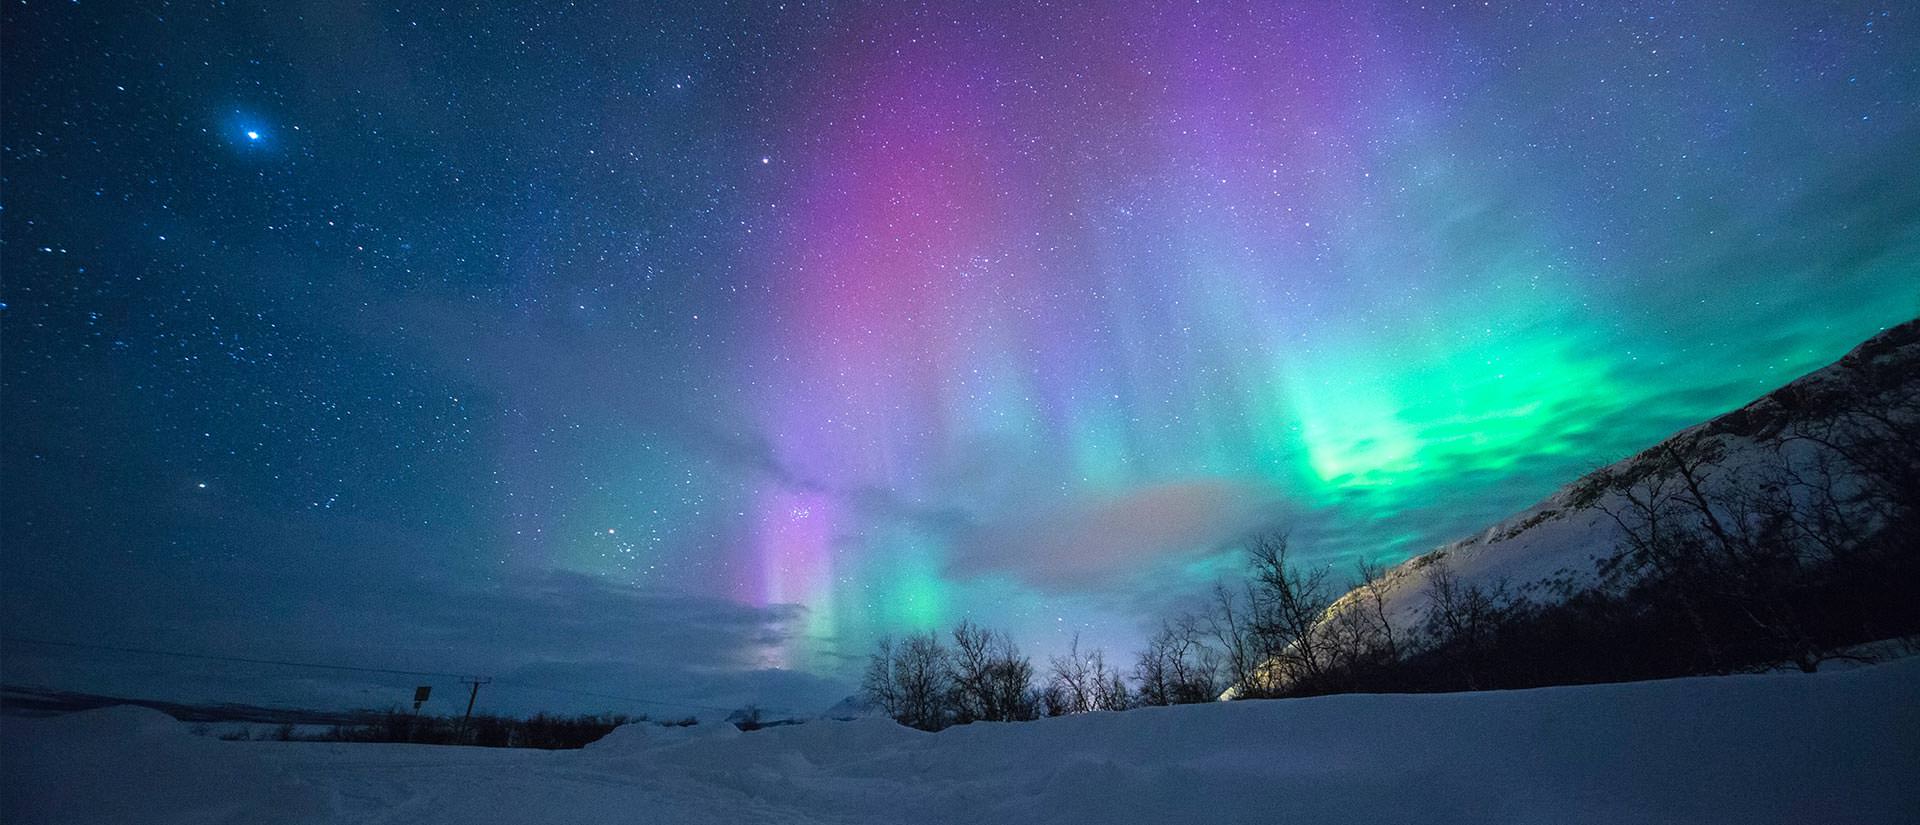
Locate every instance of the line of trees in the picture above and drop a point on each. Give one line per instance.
(1794, 553)
(923, 682)
(1786, 558)
(1263, 637)
(979, 675)
(541, 730)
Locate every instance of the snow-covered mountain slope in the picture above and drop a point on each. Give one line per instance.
(1554, 546)
(1789, 748)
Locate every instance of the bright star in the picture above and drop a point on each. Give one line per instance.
(252, 135)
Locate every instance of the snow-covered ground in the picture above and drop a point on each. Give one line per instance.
(1830, 747)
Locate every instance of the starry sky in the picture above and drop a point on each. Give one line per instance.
(675, 351)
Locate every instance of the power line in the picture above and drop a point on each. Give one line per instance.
(525, 686)
(242, 659)
(352, 669)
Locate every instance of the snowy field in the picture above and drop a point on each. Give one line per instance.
(1836, 747)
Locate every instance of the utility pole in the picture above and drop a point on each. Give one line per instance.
(476, 682)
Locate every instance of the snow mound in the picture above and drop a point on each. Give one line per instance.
(1786, 748)
(132, 764)
(644, 736)
(126, 722)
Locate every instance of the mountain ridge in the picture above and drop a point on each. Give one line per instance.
(1562, 543)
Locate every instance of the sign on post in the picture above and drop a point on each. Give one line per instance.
(420, 695)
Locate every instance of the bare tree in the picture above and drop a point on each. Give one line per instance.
(1733, 542)
(1054, 701)
(1287, 605)
(991, 680)
(972, 659)
(1010, 684)
(1230, 623)
(1359, 636)
(1876, 435)
(1372, 592)
(1656, 544)
(1150, 670)
(1112, 693)
(1463, 616)
(1177, 667)
(876, 683)
(922, 678)
(1082, 683)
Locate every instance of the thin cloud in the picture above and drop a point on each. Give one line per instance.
(1100, 541)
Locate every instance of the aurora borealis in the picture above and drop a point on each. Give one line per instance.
(1194, 270)
(816, 322)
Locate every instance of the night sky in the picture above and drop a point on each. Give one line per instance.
(676, 352)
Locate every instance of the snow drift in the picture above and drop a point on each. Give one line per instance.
(1789, 748)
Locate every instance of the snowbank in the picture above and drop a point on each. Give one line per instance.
(131, 764)
(1832, 747)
